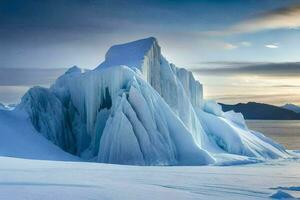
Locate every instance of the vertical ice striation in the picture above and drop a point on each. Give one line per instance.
(192, 87)
(123, 121)
(156, 135)
(145, 55)
(177, 86)
(49, 117)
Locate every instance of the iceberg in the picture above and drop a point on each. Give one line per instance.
(137, 108)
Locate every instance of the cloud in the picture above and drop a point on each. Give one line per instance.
(228, 64)
(15, 82)
(275, 99)
(283, 18)
(12, 94)
(232, 62)
(230, 46)
(246, 44)
(28, 77)
(272, 46)
(263, 69)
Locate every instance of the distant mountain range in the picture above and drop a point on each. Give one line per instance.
(253, 110)
(292, 107)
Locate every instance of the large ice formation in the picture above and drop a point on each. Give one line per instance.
(137, 108)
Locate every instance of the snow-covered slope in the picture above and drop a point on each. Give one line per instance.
(292, 107)
(47, 180)
(18, 138)
(137, 108)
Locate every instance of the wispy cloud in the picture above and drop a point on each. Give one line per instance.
(264, 69)
(230, 46)
(228, 64)
(283, 18)
(246, 44)
(29, 77)
(15, 82)
(272, 46)
(275, 99)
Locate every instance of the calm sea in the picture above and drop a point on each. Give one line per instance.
(286, 132)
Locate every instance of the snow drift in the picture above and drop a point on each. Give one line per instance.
(18, 138)
(137, 108)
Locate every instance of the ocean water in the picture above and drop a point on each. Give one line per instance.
(285, 132)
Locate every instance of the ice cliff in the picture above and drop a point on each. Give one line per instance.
(137, 108)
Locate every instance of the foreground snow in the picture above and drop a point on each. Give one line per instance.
(34, 179)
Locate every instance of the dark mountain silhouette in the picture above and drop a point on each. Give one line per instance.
(291, 107)
(253, 110)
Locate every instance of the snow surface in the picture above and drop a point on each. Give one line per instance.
(18, 138)
(137, 108)
(31, 179)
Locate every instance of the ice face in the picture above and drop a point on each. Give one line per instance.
(123, 121)
(137, 108)
(145, 55)
(176, 85)
(43, 106)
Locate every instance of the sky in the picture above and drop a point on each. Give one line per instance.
(240, 50)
